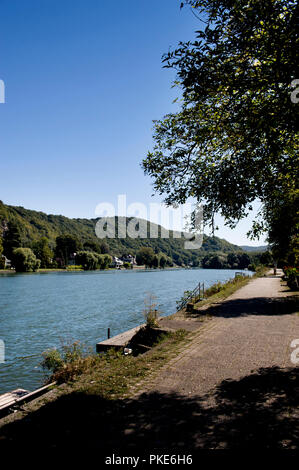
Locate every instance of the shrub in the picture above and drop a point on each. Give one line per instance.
(103, 261)
(219, 286)
(87, 259)
(24, 260)
(150, 312)
(52, 360)
(291, 276)
(71, 361)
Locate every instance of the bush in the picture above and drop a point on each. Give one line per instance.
(291, 276)
(24, 260)
(87, 259)
(150, 312)
(219, 286)
(52, 360)
(71, 361)
(104, 261)
(214, 289)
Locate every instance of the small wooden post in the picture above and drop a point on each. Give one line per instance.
(203, 290)
(108, 333)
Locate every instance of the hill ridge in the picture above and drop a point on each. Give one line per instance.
(36, 224)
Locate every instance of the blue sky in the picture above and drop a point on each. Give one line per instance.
(84, 81)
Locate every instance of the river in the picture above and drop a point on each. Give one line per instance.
(39, 311)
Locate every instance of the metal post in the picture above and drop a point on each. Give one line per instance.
(108, 333)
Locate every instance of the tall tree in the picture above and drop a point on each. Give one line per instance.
(43, 252)
(235, 137)
(11, 239)
(145, 256)
(65, 246)
(91, 245)
(281, 221)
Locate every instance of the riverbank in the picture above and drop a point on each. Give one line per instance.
(71, 270)
(171, 323)
(134, 397)
(84, 305)
(134, 268)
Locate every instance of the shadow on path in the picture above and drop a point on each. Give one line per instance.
(259, 411)
(252, 306)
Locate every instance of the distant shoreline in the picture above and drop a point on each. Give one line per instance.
(136, 268)
(60, 270)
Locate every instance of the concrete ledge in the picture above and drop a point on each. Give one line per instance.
(118, 342)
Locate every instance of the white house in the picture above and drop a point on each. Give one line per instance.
(116, 262)
(129, 259)
(7, 263)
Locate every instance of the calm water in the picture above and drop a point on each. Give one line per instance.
(40, 311)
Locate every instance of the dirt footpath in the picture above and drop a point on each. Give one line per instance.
(235, 385)
(253, 328)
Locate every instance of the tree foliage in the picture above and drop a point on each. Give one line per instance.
(280, 218)
(24, 260)
(83, 230)
(43, 252)
(146, 256)
(235, 137)
(90, 260)
(11, 239)
(66, 245)
(236, 260)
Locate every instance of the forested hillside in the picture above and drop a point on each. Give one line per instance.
(33, 225)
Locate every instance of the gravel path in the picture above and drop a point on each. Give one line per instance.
(251, 329)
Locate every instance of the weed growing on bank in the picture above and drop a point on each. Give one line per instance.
(109, 374)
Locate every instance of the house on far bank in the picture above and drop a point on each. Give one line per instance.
(7, 263)
(116, 262)
(129, 259)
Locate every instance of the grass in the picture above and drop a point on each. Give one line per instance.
(119, 375)
(112, 375)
